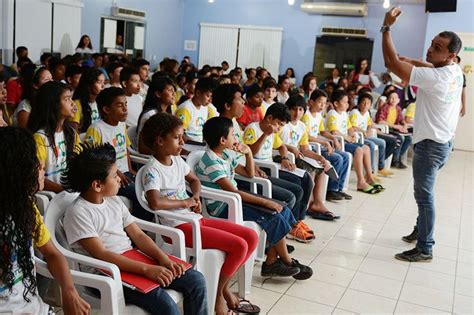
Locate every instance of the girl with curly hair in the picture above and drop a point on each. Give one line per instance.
(21, 228)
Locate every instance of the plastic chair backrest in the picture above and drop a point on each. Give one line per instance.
(132, 136)
(194, 158)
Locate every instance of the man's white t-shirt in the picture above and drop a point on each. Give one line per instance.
(170, 181)
(438, 102)
(105, 221)
(135, 107)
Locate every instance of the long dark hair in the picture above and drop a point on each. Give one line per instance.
(81, 42)
(152, 101)
(359, 62)
(29, 83)
(18, 184)
(47, 114)
(83, 94)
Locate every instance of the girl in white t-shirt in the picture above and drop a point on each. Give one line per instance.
(164, 181)
(283, 89)
(22, 229)
(55, 137)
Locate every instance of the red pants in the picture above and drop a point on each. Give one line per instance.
(237, 241)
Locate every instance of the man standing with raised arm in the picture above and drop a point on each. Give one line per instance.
(438, 104)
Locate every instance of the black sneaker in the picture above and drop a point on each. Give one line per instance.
(278, 269)
(344, 195)
(399, 165)
(305, 271)
(414, 255)
(412, 237)
(333, 195)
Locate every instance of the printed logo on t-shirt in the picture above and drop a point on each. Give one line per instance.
(267, 144)
(60, 150)
(200, 122)
(294, 138)
(249, 137)
(149, 177)
(95, 115)
(119, 140)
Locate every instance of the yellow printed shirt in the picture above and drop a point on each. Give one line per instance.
(338, 121)
(392, 115)
(54, 160)
(295, 135)
(253, 132)
(100, 132)
(410, 112)
(358, 120)
(78, 115)
(314, 123)
(193, 119)
(211, 111)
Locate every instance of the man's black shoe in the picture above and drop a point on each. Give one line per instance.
(344, 195)
(414, 255)
(412, 237)
(278, 269)
(332, 195)
(305, 271)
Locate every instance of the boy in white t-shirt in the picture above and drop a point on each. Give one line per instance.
(194, 112)
(337, 122)
(130, 79)
(331, 150)
(111, 129)
(99, 224)
(269, 94)
(295, 136)
(143, 68)
(361, 121)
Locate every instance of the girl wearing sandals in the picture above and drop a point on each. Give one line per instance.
(337, 122)
(164, 182)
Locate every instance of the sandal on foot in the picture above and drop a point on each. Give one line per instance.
(245, 307)
(378, 186)
(371, 190)
(325, 216)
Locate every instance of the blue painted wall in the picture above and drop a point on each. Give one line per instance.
(460, 21)
(164, 24)
(300, 29)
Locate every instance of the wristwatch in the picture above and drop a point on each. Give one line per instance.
(384, 28)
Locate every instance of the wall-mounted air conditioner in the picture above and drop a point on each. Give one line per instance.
(128, 13)
(344, 31)
(331, 8)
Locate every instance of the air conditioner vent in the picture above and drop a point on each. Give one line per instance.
(128, 13)
(341, 31)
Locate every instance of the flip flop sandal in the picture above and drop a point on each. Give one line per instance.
(245, 307)
(371, 190)
(378, 186)
(325, 216)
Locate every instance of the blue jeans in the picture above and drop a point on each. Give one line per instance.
(306, 183)
(129, 192)
(193, 287)
(340, 161)
(405, 141)
(430, 156)
(372, 142)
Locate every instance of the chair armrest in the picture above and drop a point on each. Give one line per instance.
(42, 202)
(360, 137)
(176, 235)
(341, 139)
(290, 155)
(108, 291)
(47, 193)
(137, 157)
(272, 166)
(233, 201)
(254, 181)
(382, 127)
(316, 146)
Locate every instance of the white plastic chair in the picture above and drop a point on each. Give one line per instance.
(207, 261)
(235, 215)
(115, 303)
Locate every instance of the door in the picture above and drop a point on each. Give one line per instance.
(465, 130)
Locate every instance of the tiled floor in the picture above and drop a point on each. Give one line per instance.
(354, 268)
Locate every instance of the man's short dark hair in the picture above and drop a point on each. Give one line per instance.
(224, 63)
(139, 62)
(159, 125)
(363, 96)
(206, 85)
(317, 94)
(45, 56)
(87, 164)
(296, 100)
(73, 70)
(112, 66)
(253, 90)
(107, 96)
(338, 95)
(127, 73)
(224, 94)
(216, 128)
(19, 49)
(269, 83)
(455, 42)
(278, 111)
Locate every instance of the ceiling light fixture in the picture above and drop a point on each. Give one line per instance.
(211, 1)
(386, 4)
(291, 2)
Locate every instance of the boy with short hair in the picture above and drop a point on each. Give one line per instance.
(252, 109)
(73, 76)
(113, 70)
(111, 129)
(217, 169)
(143, 67)
(361, 121)
(98, 224)
(269, 93)
(314, 121)
(194, 112)
(130, 80)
